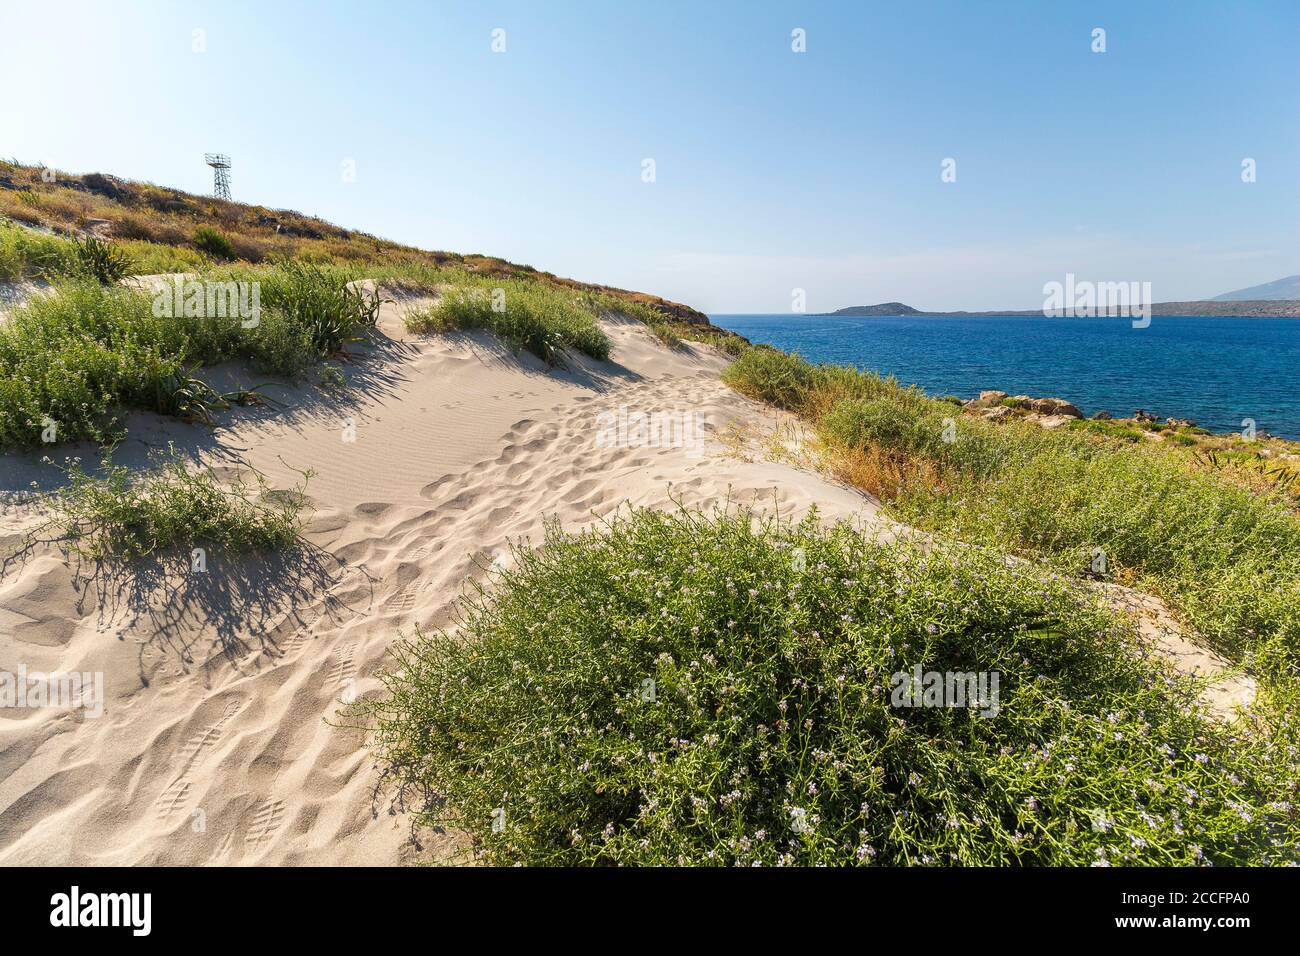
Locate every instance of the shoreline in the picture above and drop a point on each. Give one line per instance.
(971, 392)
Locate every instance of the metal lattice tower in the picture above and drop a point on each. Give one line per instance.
(220, 164)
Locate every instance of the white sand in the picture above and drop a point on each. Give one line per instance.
(216, 743)
(219, 741)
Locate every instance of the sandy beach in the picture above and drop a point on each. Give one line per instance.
(220, 740)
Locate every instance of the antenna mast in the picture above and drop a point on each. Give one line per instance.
(220, 164)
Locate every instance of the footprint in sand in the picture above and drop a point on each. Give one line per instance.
(266, 821)
(343, 667)
(404, 600)
(295, 642)
(201, 743)
(173, 799)
(298, 624)
(224, 849)
(196, 749)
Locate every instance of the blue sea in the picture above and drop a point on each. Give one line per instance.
(1217, 371)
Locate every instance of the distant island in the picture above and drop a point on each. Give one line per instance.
(884, 308)
(1207, 307)
(1278, 298)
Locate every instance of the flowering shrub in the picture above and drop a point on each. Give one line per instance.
(686, 689)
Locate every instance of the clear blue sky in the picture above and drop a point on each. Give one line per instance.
(775, 170)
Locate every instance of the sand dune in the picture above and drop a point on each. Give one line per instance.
(219, 741)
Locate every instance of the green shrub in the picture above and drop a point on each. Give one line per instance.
(214, 243)
(920, 430)
(682, 689)
(76, 358)
(430, 320)
(325, 303)
(1229, 558)
(857, 423)
(124, 515)
(27, 254)
(104, 262)
(771, 376)
(1108, 429)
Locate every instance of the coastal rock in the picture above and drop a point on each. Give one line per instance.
(1142, 415)
(1103, 416)
(1055, 407)
(1180, 423)
(995, 404)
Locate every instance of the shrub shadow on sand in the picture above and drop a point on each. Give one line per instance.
(241, 610)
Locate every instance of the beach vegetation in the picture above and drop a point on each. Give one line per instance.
(689, 689)
(77, 360)
(117, 513)
(1227, 556)
(214, 243)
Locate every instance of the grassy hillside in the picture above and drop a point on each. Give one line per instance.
(167, 230)
(77, 361)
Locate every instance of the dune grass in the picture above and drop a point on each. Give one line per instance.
(671, 330)
(686, 689)
(523, 314)
(82, 357)
(155, 230)
(152, 258)
(123, 514)
(542, 319)
(25, 254)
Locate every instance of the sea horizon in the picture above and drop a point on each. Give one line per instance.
(1218, 371)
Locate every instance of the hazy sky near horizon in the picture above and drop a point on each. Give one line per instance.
(774, 170)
